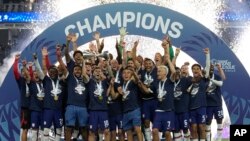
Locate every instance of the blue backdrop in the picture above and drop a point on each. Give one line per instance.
(139, 19)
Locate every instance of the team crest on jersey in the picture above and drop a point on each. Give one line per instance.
(55, 92)
(98, 92)
(79, 89)
(40, 95)
(161, 94)
(195, 89)
(125, 95)
(211, 88)
(177, 92)
(148, 79)
(109, 100)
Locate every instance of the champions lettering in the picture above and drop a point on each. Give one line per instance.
(147, 21)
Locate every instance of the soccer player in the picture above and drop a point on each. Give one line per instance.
(181, 103)
(36, 99)
(164, 113)
(76, 109)
(24, 96)
(52, 99)
(149, 101)
(115, 105)
(214, 101)
(198, 101)
(130, 104)
(98, 108)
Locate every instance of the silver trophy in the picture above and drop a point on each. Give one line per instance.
(88, 54)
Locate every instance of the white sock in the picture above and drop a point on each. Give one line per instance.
(219, 132)
(208, 132)
(187, 136)
(41, 135)
(75, 134)
(29, 134)
(58, 134)
(100, 136)
(46, 134)
(160, 135)
(177, 136)
(148, 134)
(194, 140)
(34, 135)
(21, 131)
(63, 132)
(202, 139)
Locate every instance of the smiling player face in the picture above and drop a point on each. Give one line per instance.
(196, 71)
(97, 73)
(127, 74)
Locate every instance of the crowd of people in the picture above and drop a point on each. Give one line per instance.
(20, 5)
(126, 98)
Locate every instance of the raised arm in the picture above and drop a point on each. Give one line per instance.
(177, 52)
(217, 82)
(26, 73)
(134, 50)
(165, 46)
(30, 69)
(207, 68)
(74, 40)
(167, 60)
(221, 72)
(41, 75)
(96, 36)
(171, 67)
(44, 54)
(110, 72)
(123, 33)
(101, 46)
(119, 54)
(47, 62)
(85, 76)
(66, 50)
(15, 67)
(59, 59)
(124, 55)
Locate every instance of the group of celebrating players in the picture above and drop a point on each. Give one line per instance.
(124, 97)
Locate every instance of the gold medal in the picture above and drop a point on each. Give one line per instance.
(40, 98)
(100, 97)
(160, 99)
(56, 98)
(27, 94)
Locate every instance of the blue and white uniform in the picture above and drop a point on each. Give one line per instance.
(198, 102)
(165, 115)
(181, 103)
(149, 101)
(214, 99)
(76, 109)
(98, 107)
(130, 105)
(36, 104)
(52, 102)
